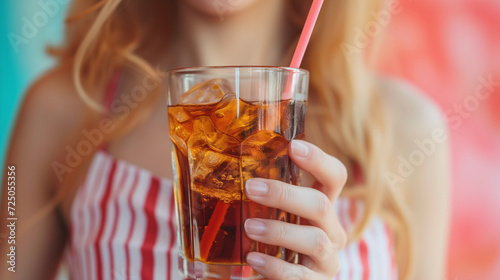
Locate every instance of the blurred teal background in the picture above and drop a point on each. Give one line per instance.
(23, 58)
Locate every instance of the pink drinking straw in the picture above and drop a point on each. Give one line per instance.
(298, 55)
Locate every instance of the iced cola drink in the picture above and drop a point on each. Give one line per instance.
(220, 141)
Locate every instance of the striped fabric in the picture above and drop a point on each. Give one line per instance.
(370, 258)
(123, 227)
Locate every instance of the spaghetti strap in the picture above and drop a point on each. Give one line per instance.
(358, 174)
(111, 89)
(110, 94)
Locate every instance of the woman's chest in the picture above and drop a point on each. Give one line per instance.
(122, 223)
(146, 149)
(147, 145)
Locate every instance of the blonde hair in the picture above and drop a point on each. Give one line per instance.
(106, 36)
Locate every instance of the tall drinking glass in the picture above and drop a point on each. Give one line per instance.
(228, 125)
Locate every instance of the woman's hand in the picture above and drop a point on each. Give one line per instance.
(320, 237)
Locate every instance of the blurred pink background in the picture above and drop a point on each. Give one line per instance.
(444, 47)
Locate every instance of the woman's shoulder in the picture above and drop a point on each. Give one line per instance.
(420, 168)
(48, 118)
(53, 100)
(413, 114)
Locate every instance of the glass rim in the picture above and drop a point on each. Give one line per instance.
(188, 70)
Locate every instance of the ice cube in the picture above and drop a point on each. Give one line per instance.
(213, 157)
(180, 128)
(206, 92)
(205, 162)
(235, 117)
(216, 140)
(264, 144)
(215, 175)
(264, 155)
(178, 113)
(225, 112)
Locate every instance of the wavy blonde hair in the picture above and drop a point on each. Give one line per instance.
(104, 37)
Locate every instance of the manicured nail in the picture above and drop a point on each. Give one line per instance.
(254, 226)
(256, 187)
(255, 260)
(300, 149)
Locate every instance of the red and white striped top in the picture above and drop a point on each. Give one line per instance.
(123, 227)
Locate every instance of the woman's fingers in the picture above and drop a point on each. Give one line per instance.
(327, 170)
(306, 240)
(277, 269)
(318, 243)
(307, 203)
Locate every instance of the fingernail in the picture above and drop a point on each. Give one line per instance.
(256, 187)
(300, 149)
(254, 226)
(255, 260)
